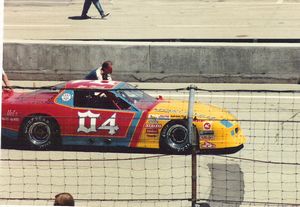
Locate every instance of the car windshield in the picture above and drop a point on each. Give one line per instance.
(137, 97)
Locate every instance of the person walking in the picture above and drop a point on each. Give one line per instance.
(102, 73)
(87, 5)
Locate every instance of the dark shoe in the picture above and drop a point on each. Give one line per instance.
(85, 17)
(104, 15)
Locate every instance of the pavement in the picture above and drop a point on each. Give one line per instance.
(153, 19)
(265, 173)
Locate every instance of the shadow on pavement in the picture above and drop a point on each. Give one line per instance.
(87, 18)
(77, 18)
(227, 185)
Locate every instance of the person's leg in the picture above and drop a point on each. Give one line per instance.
(86, 7)
(99, 8)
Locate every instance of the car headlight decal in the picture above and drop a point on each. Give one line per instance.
(226, 123)
(232, 132)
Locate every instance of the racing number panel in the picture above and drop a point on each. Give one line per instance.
(98, 114)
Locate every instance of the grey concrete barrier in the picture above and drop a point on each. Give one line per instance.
(155, 62)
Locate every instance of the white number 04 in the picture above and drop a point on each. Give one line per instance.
(109, 124)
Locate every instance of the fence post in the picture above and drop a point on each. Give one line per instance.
(193, 141)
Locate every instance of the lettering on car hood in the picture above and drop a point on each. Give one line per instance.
(179, 109)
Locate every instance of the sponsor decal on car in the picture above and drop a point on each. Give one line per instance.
(10, 119)
(152, 131)
(153, 126)
(11, 112)
(92, 84)
(164, 117)
(66, 97)
(207, 145)
(167, 111)
(205, 117)
(207, 125)
(159, 117)
(11, 115)
(198, 120)
(176, 116)
(207, 137)
(152, 117)
(206, 134)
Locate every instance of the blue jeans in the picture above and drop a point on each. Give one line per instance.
(87, 4)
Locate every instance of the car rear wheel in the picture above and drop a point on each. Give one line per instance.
(40, 132)
(175, 138)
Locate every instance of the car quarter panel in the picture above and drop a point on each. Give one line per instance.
(13, 115)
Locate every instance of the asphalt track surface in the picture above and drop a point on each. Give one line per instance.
(265, 173)
(153, 19)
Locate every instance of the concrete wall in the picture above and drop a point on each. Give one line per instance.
(155, 62)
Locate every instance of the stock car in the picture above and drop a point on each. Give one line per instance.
(113, 114)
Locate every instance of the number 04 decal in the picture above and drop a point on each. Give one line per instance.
(109, 124)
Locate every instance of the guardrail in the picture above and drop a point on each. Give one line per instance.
(155, 61)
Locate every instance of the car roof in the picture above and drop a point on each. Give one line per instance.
(93, 84)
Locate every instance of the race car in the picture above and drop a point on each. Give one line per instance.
(113, 114)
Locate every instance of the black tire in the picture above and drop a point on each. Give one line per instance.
(40, 132)
(174, 137)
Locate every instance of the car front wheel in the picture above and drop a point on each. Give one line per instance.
(175, 137)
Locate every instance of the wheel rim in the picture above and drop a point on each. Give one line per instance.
(177, 134)
(39, 133)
